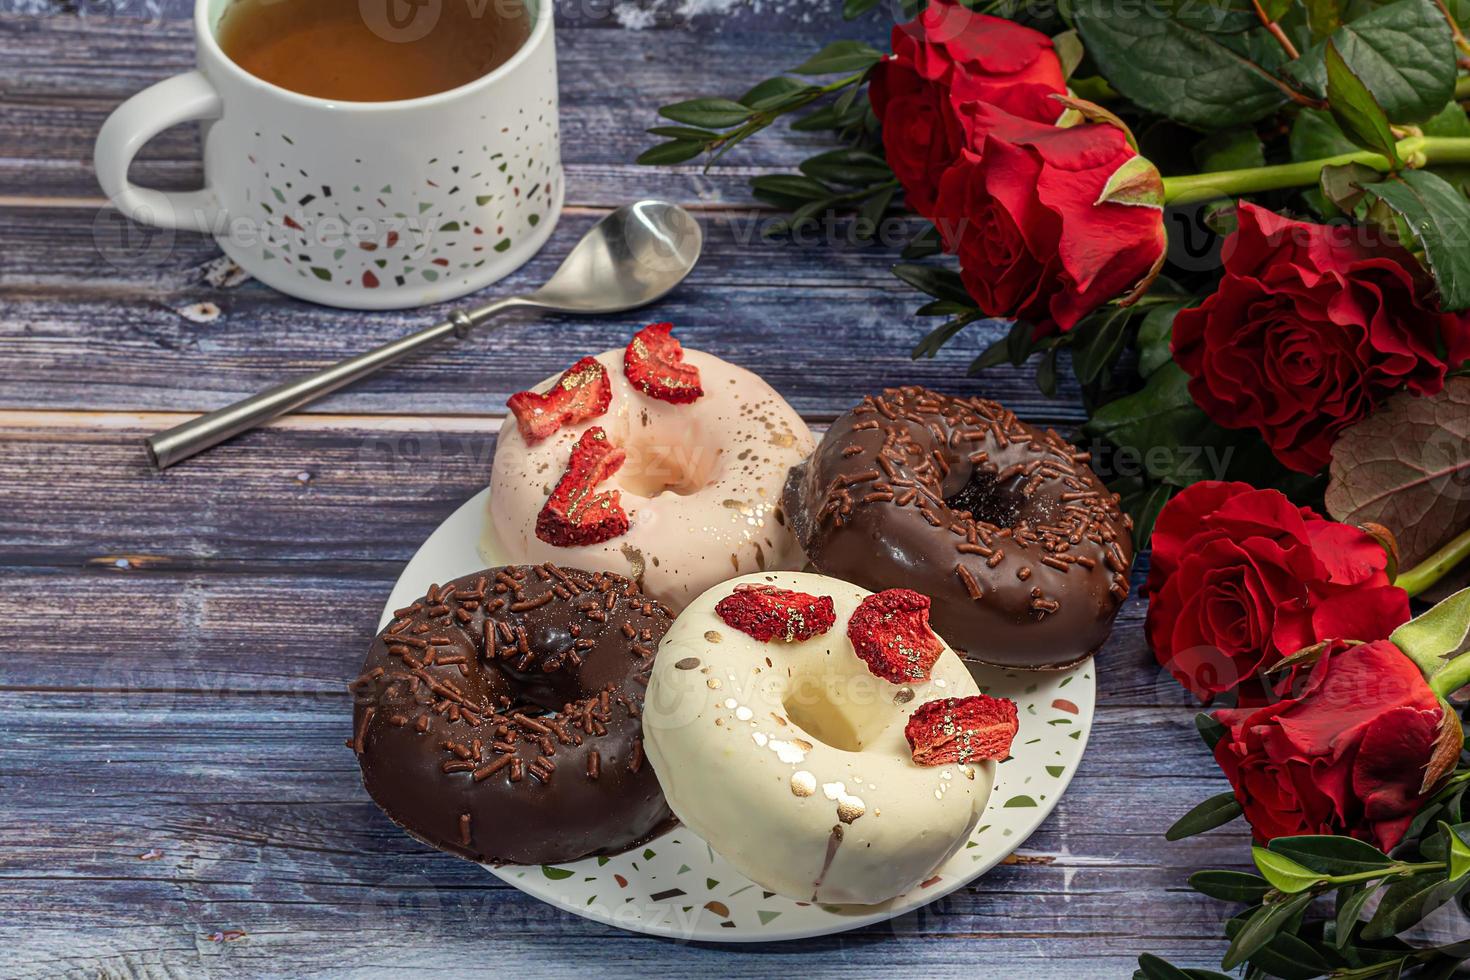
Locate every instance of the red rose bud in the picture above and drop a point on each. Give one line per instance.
(951, 730)
(574, 514)
(768, 613)
(654, 363)
(1346, 755)
(1241, 578)
(582, 393)
(1310, 329)
(890, 632)
(1049, 222)
(947, 56)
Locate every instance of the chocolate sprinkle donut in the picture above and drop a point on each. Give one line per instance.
(499, 717)
(1023, 551)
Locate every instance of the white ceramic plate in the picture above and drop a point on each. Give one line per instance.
(678, 887)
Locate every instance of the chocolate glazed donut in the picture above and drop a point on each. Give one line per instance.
(1023, 551)
(499, 717)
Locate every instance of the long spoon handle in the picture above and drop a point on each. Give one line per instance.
(188, 438)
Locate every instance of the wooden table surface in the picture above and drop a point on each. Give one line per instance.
(175, 797)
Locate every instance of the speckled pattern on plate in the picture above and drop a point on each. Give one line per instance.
(677, 887)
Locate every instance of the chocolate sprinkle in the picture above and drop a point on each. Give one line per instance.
(981, 512)
(545, 676)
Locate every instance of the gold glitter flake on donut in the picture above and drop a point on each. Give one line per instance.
(849, 807)
(803, 783)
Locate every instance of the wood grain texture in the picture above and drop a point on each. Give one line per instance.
(175, 798)
(62, 75)
(144, 327)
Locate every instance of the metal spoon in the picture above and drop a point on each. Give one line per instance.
(628, 259)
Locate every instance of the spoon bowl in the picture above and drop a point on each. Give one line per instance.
(630, 258)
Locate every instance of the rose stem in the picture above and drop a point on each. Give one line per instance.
(1419, 151)
(1434, 568)
(1451, 677)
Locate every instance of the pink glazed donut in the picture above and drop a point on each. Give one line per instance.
(699, 480)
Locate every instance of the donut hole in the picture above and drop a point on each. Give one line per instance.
(989, 500)
(662, 462)
(844, 710)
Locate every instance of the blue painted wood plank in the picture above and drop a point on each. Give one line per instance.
(173, 689)
(824, 324)
(62, 75)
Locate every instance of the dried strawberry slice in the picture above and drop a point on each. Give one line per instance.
(973, 729)
(768, 613)
(890, 632)
(583, 392)
(573, 514)
(654, 363)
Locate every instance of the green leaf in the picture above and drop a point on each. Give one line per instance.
(1018, 342)
(1230, 886)
(776, 92)
(1099, 345)
(683, 133)
(1215, 812)
(1350, 903)
(1230, 149)
(1343, 184)
(1356, 111)
(674, 151)
(941, 335)
(936, 281)
(1275, 9)
(1331, 855)
(712, 113)
(852, 167)
(1315, 134)
(1161, 428)
(1210, 729)
(1168, 63)
(1161, 414)
(993, 354)
(1435, 638)
(1150, 967)
(1284, 874)
(944, 307)
(1438, 216)
(1290, 958)
(872, 212)
(791, 185)
(1154, 334)
(1403, 53)
(1450, 121)
(1323, 16)
(1459, 849)
(1407, 902)
(1261, 928)
(840, 56)
(1046, 383)
(923, 244)
(1146, 514)
(853, 9)
(1069, 51)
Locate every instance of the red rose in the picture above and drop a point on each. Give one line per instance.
(1309, 330)
(944, 57)
(1242, 577)
(1049, 222)
(1347, 755)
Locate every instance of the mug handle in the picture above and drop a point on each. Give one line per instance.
(133, 124)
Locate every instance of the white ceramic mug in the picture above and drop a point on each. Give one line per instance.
(367, 205)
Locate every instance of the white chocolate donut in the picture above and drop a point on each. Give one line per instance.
(790, 760)
(701, 484)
